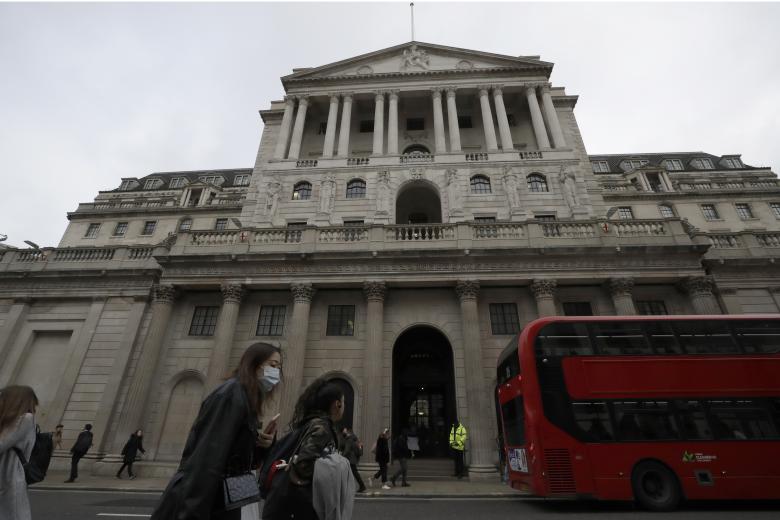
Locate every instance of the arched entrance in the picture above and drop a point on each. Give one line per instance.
(424, 388)
(418, 203)
(349, 403)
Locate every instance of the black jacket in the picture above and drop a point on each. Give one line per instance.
(351, 449)
(382, 451)
(222, 442)
(401, 448)
(83, 443)
(132, 447)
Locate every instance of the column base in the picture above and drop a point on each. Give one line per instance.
(483, 473)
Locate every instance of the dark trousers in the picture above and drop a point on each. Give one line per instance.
(129, 466)
(401, 472)
(382, 472)
(459, 469)
(357, 476)
(74, 465)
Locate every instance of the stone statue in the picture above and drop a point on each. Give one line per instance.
(383, 193)
(414, 57)
(272, 200)
(509, 180)
(453, 192)
(327, 193)
(568, 184)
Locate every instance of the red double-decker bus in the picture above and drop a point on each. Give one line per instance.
(655, 409)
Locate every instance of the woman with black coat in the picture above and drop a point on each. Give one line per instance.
(129, 452)
(224, 440)
(382, 456)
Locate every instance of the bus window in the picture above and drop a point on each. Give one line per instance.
(564, 339)
(620, 338)
(741, 419)
(757, 337)
(645, 420)
(662, 337)
(509, 368)
(592, 419)
(693, 421)
(514, 421)
(706, 337)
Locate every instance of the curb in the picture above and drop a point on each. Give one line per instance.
(93, 488)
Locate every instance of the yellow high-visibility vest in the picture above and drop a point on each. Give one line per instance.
(458, 436)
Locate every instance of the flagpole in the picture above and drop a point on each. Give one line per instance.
(411, 5)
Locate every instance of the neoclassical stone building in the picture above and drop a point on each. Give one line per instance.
(409, 210)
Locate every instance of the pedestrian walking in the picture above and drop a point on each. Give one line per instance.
(353, 450)
(413, 442)
(17, 434)
(293, 494)
(129, 452)
(224, 440)
(80, 448)
(401, 453)
(57, 437)
(381, 452)
(458, 437)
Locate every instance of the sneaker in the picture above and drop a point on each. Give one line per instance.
(385, 486)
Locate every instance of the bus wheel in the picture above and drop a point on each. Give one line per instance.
(655, 486)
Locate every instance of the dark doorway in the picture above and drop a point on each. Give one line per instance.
(424, 388)
(349, 403)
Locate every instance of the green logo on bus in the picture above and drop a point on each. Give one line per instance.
(688, 457)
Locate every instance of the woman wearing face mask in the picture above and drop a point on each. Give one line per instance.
(225, 439)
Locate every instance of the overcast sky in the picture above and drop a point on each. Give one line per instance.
(90, 93)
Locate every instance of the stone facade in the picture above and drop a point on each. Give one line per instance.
(408, 210)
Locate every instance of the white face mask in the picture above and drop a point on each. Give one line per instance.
(270, 378)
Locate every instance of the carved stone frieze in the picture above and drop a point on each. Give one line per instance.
(232, 293)
(544, 288)
(303, 292)
(375, 290)
(164, 293)
(620, 286)
(467, 290)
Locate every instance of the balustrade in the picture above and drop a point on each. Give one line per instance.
(763, 184)
(358, 161)
(416, 157)
(498, 231)
(480, 156)
(306, 163)
(768, 239)
(30, 256)
(724, 241)
(82, 255)
(640, 228)
(530, 155)
(568, 230)
(140, 253)
(277, 236)
(420, 232)
(342, 234)
(214, 238)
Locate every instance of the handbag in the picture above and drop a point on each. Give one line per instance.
(240, 490)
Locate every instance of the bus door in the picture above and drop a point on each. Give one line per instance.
(510, 398)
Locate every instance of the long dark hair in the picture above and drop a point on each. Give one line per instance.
(246, 373)
(317, 397)
(15, 401)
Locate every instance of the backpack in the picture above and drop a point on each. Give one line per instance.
(282, 451)
(35, 469)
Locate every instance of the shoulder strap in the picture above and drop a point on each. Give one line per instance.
(21, 456)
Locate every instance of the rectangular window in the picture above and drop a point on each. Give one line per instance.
(484, 220)
(702, 164)
(775, 206)
(757, 336)
(415, 123)
(645, 421)
(150, 184)
(120, 229)
(354, 222)
(620, 338)
(741, 419)
(701, 337)
(666, 211)
(241, 180)
(674, 164)
(733, 162)
(464, 122)
(743, 210)
(625, 213)
(220, 224)
(655, 182)
(577, 309)
(651, 307)
(564, 339)
(149, 227)
(204, 321)
(600, 166)
(503, 318)
(271, 321)
(126, 185)
(593, 421)
(693, 421)
(177, 182)
(367, 126)
(709, 211)
(341, 320)
(92, 231)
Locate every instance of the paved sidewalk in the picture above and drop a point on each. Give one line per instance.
(420, 489)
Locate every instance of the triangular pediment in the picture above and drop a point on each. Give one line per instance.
(416, 58)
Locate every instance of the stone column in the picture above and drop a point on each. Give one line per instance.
(701, 290)
(552, 118)
(477, 392)
(346, 119)
(16, 316)
(503, 123)
(392, 123)
(487, 120)
(300, 120)
(284, 130)
(133, 416)
(438, 122)
(330, 130)
(452, 119)
(375, 292)
(621, 291)
(295, 354)
(223, 335)
(536, 119)
(379, 122)
(544, 293)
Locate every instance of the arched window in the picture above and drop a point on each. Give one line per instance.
(537, 183)
(185, 224)
(356, 189)
(667, 211)
(480, 184)
(302, 191)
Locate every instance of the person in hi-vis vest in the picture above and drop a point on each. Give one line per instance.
(458, 437)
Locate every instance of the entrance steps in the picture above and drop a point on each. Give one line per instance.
(430, 469)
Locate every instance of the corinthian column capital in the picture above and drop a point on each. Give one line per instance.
(467, 290)
(375, 291)
(303, 292)
(699, 285)
(232, 293)
(620, 286)
(543, 288)
(164, 293)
